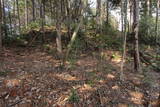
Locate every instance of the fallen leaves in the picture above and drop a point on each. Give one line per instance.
(37, 82)
(10, 83)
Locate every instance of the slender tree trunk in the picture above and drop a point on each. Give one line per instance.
(150, 10)
(98, 16)
(125, 38)
(44, 11)
(107, 6)
(69, 18)
(0, 26)
(33, 10)
(19, 23)
(58, 28)
(4, 18)
(43, 20)
(51, 9)
(10, 21)
(131, 14)
(148, 7)
(122, 17)
(148, 15)
(137, 66)
(157, 27)
(76, 30)
(26, 12)
(157, 17)
(14, 13)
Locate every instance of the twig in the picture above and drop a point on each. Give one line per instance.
(17, 102)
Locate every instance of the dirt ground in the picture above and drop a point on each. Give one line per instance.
(34, 78)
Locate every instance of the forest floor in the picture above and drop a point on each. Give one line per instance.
(34, 78)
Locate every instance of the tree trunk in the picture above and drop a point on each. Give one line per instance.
(69, 17)
(26, 13)
(137, 66)
(76, 30)
(4, 18)
(107, 6)
(125, 38)
(148, 7)
(33, 10)
(0, 26)
(157, 27)
(19, 23)
(98, 16)
(131, 16)
(42, 15)
(58, 28)
(157, 17)
(10, 21)
(122, 17)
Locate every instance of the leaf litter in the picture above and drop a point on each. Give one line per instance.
(32, 79)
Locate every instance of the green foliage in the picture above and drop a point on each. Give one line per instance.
(74, 96)
(31, 26)
(147, 34)
(4, 73)
(108, 41)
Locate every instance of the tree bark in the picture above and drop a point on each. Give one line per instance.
(131, 14)
(10, 21)
(125, 39)
(107, 8)
(33, 10)
(76, 30)
(0, 26)
(58, 28)
(19, 23)
(157, 17)
(42, 15)
(4, 18)
(26, 13)
(98, 15)
(157, 27)
(137, 66)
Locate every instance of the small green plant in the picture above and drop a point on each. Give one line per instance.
(4, 73)
(90, 82)
(74, 96)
